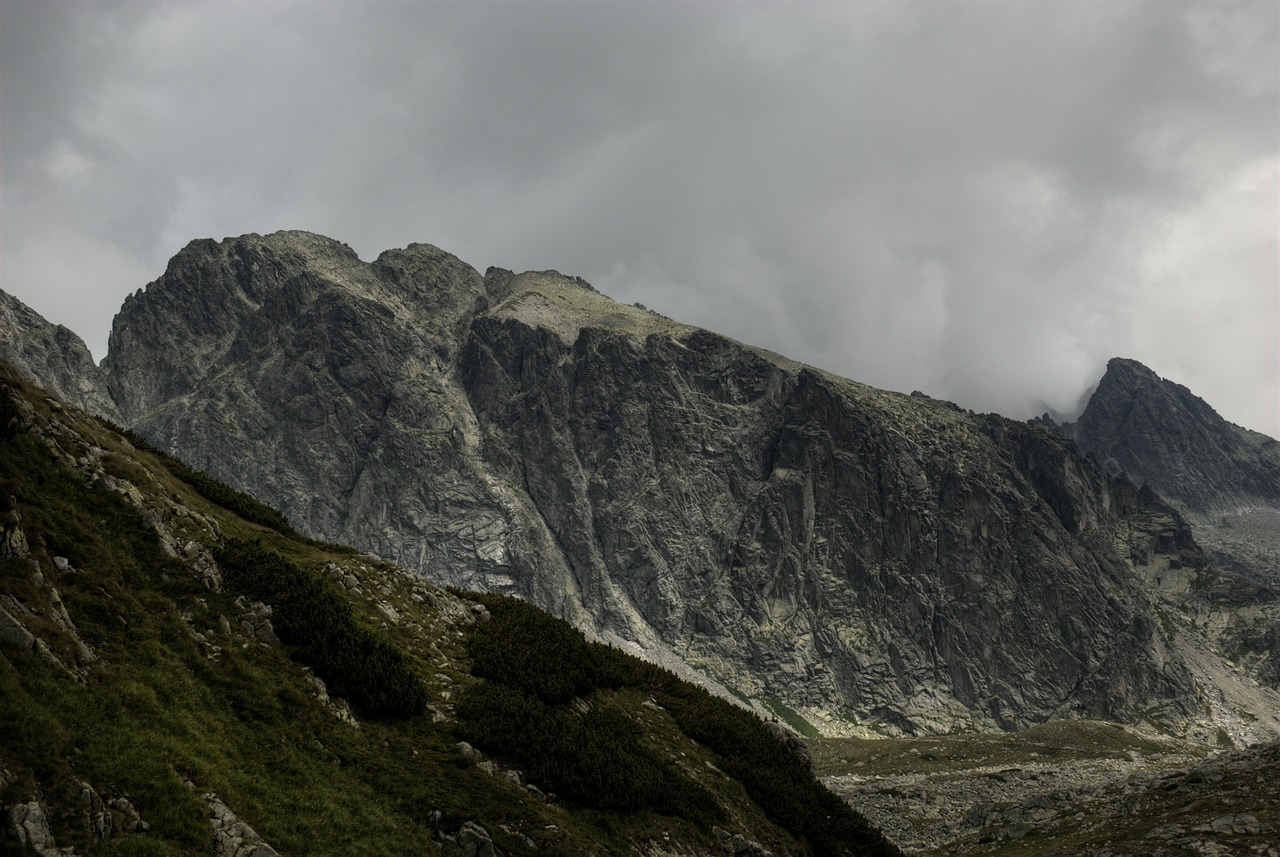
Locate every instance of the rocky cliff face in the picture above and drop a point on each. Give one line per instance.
(1160, 433)
(1225, 478)
(866, 558)
(152, 704)
(53, 357)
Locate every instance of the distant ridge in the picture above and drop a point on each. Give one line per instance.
(52, 356)
(1162, 434)
(1224, 478)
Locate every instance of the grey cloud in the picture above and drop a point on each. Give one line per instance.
(981, 200)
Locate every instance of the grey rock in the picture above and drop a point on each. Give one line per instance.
(97, 814)
(1224, 478)
(52, 357)
(133, 821)
(737, 845)
(864, 556)
(62, 621)
(1167, 831)
(1222, 484)
(1240, 824)
(1162, 434)
(475, 841)
(31, 827)
(14, 632)
(231, 836)
(13, 541)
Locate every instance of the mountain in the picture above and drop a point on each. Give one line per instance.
(1224, 478)
(1162, 434)
(852, 559)
(53, 357)
(180, 673)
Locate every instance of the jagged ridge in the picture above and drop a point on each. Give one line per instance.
(867, 557)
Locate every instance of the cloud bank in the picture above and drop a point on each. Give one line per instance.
(980, 200)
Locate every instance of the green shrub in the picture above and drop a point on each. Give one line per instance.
(528, 649)
(775, 778)
(316, 622)
(595, 759)
(534, 663)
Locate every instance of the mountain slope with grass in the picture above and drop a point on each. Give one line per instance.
(180, 673)
(852, 559)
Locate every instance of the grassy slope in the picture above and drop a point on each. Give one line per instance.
(174, 698)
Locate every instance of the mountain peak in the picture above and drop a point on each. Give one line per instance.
(727, 512)
(53, 356)
(1158, 431)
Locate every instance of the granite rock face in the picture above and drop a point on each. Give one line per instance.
(329, 387)
(1162, 434)
(866, 558)
(1224, 478)
(53, 357)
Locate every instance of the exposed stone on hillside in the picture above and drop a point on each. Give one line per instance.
(356, 359)
(1181, 811)
(30, 825)
(865, 557)
(53, 357)
(1224, 478)
(1162, 434)
(231, 836)
(473, 841)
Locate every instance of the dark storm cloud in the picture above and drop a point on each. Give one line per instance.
(980, 200)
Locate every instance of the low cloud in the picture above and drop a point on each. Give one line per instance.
(981, 201)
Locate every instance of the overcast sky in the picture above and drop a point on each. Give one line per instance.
(980, 200)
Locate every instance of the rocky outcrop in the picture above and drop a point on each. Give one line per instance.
(857, 547)
(1162, 434)
(867, 558)
(1225, 479)
(30, 825)
(53, 357)
(474, 841)
(357, 360)
(231, 836)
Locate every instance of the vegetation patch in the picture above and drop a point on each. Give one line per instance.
(774, 776)
(318, 623)
(791, 717)
(178, 699)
